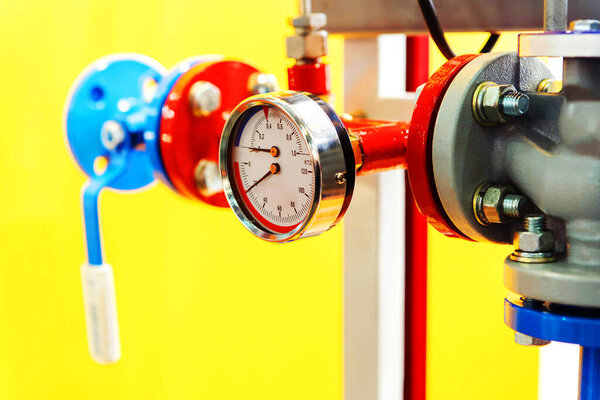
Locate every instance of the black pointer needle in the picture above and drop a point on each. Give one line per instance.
(256, 149)
(273, 169)
(273, 150)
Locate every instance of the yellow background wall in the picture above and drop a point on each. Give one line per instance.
(471, 353)
(206, 311)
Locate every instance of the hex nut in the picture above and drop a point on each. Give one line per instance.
(533, 242)
(526, 340)
(311, 46)
(490, 103)
(491, 204)
(313, 21)
(112, 134)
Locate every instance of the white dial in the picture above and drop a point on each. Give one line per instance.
(273, 170)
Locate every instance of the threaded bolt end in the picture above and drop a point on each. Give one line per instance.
(512, 205)
(514, 104)
(535, 223)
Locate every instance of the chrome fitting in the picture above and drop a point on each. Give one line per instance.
(496, 204)
(311, 46)
(493, 103)
(261, 83)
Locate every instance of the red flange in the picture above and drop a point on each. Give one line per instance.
(419, 158)
(185, 138)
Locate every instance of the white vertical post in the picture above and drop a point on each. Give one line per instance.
(374, 233)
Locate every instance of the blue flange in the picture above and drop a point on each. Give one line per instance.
(556, 323)
(164, 88)
(118, 88)
(562, 324)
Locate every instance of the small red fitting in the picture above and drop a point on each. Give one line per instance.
(381, 144)
(312, 78)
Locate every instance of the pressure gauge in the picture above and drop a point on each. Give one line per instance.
(287, 164)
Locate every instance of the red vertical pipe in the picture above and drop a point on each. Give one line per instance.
(415, 363)
(417, 61)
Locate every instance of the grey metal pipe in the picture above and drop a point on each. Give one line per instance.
(305, 7)
(555, 15)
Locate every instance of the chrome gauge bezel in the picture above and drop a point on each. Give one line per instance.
(331, 152)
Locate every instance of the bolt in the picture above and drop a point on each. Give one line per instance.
(583, 25)
(208, 178)
(340, 177)
(536, 243)
(495, 204)
(493, 103)
(260, 83)
(526, 340)
(112, 134)
(514, 104)
(535, 223)
(513, 204)
(204, 98)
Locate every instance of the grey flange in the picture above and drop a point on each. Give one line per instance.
(466, 154)
(558, 282)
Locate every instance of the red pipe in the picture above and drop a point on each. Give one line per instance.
(415, 339)
(417, 61)
(313, 78)
(381, 144)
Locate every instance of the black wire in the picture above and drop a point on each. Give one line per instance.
(491, 42)
(437, 33)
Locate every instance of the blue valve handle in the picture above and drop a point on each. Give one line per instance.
(117, 165)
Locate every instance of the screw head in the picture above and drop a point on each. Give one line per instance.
(204, 98)
(340, 177)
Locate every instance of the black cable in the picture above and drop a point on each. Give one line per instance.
(491, 42)
(437, 33)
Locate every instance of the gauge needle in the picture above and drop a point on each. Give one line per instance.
(274, 151)
(257, 149)
(273, 169)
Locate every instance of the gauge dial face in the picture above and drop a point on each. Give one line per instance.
(272, 169)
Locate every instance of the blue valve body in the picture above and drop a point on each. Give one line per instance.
(120, 89)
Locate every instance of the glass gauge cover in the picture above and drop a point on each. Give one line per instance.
(287, 165)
